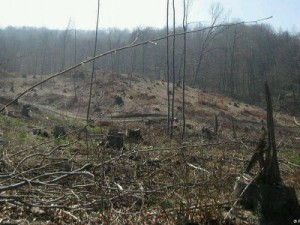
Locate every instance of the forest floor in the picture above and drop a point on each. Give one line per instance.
(76, 179)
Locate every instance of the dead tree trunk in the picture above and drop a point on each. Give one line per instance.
(168, 73)
(173, 71)
(271, 172)
(266, 194)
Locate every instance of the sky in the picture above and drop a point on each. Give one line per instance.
(55, 14)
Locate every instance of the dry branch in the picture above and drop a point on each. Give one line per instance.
(198, 168)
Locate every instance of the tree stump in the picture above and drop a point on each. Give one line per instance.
(114, 139)
(26, 110)
(207, 134)
(59, 131)
(119, 101)
(40, 132)
(134, 135)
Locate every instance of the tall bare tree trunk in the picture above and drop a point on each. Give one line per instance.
(272, 172)
(75, 60)
(93, 68)
(232, 65)
(168, 71)
(184, 25)
(111, 55)
(63, 64)
(173, 69)
(216, 12)
(225, 67)
(75, 46)
(144, 57)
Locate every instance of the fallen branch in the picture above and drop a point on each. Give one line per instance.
(293, 164)
(69, 214)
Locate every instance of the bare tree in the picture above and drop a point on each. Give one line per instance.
(133, 55)
(111, 55)
(75, 60)
(216, 12)
(93, 68)
(65, 37)
(232, 63)
(173, 69)
(168, 70)
(144, 54)
(186, 5)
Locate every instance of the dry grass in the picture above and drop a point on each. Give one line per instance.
(154, 181)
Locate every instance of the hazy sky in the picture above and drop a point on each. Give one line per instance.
(133, 13)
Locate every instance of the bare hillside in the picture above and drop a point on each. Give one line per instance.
(134, 98)
(123, 168)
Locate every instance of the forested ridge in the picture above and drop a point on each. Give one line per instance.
(232, 60)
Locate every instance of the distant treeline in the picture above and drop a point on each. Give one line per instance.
(233, 60)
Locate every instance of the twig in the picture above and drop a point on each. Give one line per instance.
(198, 168)
(293, 164)
(119, 186)
(62, 211)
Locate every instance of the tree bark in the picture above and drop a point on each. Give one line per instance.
(93, 68)
(184, 25)
(168, 71)
(272, 172)
(173, 69)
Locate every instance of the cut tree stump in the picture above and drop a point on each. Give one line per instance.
(114, 139)
(26, 110)
(59, 131)
(119, 101)
(275, 203)
(134, 135)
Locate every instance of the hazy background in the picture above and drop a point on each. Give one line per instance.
(55, 14)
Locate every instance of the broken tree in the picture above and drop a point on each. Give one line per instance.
(266, 192)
